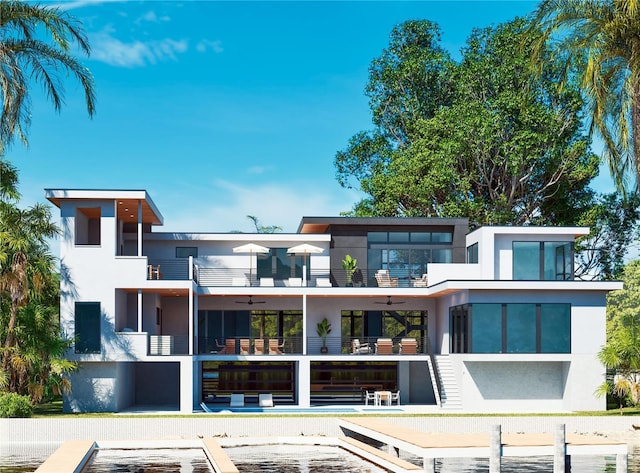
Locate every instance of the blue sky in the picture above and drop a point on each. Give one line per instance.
(226, 109)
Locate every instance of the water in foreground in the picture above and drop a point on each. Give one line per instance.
(289, 459)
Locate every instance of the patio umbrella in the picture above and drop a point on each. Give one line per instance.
(250, 248)
(304, 249)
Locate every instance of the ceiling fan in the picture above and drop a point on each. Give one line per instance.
(389, 302)
(250, 301)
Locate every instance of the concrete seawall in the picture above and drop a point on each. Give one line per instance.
(54, 431)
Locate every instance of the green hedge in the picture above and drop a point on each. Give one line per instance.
(15, 405)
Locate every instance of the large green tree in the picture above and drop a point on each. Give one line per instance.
(35, 45)
(597, 40)
(499, 145)
(31, 348)
(621, 353)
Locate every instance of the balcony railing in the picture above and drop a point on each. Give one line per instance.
(242, 277)
(293, 345)
(168, 345)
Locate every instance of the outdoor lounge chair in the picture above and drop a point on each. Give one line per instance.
(384, 346)
(245, 346)
(266, 282)
(274, 347)
(236, 400)
(408, 346)
(220, 349)
(258, 346)
(395, 396)
(323, 282)
(384, 280)
(265, 400)
(230, 346)
(421, 282)
(357, 347)
(295, 282)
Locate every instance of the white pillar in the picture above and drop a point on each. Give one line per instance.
(559, 449)
(140, 310)
(495, 449)
(304, 321)
(139, 228)
(191, 316)
(304, 382)
(187, 400)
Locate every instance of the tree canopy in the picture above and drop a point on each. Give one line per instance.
(35, 44)
(483, 138)
(597, 41)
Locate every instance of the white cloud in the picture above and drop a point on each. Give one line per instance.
(108, 49)
(224, 206)
(205, 45)
(151, 17)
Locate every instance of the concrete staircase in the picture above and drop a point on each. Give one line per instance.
(449, 394)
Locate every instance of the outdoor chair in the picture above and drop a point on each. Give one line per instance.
(369, 396)
(357, 347)
(384, 346)
(245, 346)
(408, 346)
(230, 346)
(384, 280)
(265, 400)
(274, 347)
(421, 282)
(323, 282)
(395, 396)
(266, 282)
(236, 400)
(221, 349)
(258, 346)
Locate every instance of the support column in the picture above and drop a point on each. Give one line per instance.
(495, 449)
(139, 228)
(622, 463)
(429, 465)
(191, 316)
(304, 382)
(559, 449)
(139, 310)
(304, 322)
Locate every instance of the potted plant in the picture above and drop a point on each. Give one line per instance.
(323, 329)
(350, 266)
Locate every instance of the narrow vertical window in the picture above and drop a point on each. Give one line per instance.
(87, 327)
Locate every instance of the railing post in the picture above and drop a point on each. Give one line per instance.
(190, 268)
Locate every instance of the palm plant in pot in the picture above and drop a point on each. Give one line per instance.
(350, 266)
(323, 329)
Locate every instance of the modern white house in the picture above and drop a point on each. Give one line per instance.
(485, 321)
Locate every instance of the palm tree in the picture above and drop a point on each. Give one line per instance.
(599, 40)
(25, 56)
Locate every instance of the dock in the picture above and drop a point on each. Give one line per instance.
(493, 445)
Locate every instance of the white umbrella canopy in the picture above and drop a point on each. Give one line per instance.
(251, 248)
(304, 249)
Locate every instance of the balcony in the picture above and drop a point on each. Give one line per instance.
(270, 346)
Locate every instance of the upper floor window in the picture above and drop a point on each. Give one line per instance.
(87, 327)
(186, 251)
(279, 264)
(472, 253)
(87, 226)
(406, 254)
(543, 260)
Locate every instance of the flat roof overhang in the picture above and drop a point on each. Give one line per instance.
(127, 202)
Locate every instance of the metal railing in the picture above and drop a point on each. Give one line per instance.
(173, 269)
(250, 346)
(168, 345)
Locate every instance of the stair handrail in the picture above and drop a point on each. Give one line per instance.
(437, 382)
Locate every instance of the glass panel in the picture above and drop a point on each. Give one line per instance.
(526, 260)
(398, 237)
(186, 251)
(87, 327)
(558, 261)
(377, 237)
(472, 253)
(441, 237)
(442, 256)
(555, 328)
(420, 237)
(486, 328)
(521, 328)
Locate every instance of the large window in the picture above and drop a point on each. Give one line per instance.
(87, 327)
(278, 264)
(87, 226)
(511, 328)
(406, 254)
(538, 260)
(367, 326)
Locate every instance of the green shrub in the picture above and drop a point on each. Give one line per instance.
(15, 405)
